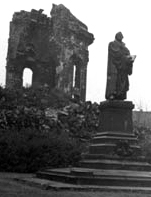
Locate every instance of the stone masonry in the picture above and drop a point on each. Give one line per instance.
(55, 49)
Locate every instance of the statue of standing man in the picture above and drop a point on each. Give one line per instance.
(120, 64)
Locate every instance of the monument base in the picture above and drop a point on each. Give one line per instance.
(115, 134)
(114, 156)
(116, 116)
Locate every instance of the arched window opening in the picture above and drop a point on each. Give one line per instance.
(74, 76)
(76, 82)
(27, 77)
(76, 63)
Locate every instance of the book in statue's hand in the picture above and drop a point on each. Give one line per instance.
(133, 57)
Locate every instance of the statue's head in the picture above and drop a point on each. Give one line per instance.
(119, 36)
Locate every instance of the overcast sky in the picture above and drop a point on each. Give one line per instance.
(104, 19)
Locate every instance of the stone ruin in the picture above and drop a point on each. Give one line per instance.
(55, 49)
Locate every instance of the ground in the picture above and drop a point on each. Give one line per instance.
(11, 188)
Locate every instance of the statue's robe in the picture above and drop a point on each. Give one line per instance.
(119, 67)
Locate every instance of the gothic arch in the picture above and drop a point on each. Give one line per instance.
(77, 67)
(27, 77)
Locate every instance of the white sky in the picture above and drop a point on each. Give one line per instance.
(104, 19)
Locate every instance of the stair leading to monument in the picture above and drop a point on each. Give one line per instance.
(112, 139)
(89, 156)
(115, 164)
(115, 133)
(84, 176)
(110, 148)
(103, 168)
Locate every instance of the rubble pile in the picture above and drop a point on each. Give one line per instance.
(47, 111)
(80, 120)
(40, 129)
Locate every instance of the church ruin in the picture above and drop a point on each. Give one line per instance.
(54, 48)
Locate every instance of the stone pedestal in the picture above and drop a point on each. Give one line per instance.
(114, 156)
(115, 134)
(116, 116)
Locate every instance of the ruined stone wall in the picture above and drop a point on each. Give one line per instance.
(55, 48)
(29, 48)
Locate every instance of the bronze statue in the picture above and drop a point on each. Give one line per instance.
(120, 64)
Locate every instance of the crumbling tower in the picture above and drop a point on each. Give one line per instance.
(55, 49)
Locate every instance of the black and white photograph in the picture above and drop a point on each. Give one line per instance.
(75, 102)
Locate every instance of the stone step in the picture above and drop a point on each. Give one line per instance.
(48, 184)
(82, 176)
(110, 149)
(115, 134)
(113, 139)
(115, 164)
(112, 157)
